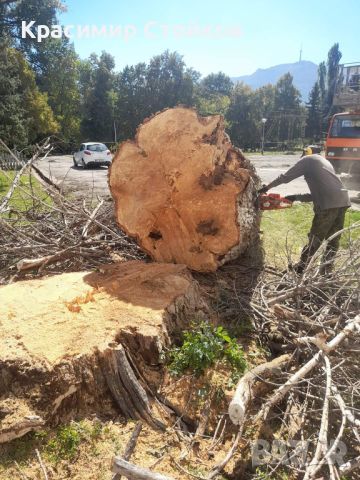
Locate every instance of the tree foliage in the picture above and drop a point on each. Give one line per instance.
(216, 84)
(320, 106)
(287, 102)
(213, 94)
(144, 89)
(333, 60)
(241, 116)
(13, 12)
(57, 70)
(314, 118)
(287, 96)
(25, 115)
(97, 112)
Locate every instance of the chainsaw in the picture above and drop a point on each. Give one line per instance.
(272, 201)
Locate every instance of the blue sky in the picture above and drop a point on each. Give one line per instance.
(253, 33)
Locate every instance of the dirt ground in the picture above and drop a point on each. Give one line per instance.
(94, 181)
(85, 450)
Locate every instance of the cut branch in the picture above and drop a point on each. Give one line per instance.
(133, 472)
(14, 184)
(130, 447)
(245, 388)
(222, 464)
(305, 369)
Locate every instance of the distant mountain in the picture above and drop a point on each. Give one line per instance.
(304, 73)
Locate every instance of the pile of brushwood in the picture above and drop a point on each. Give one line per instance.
(313, 322)
(299, 412)
(54, 233)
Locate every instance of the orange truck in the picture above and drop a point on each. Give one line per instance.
(342, 146)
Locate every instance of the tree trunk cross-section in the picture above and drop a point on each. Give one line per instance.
(65, 342)
(184, 192)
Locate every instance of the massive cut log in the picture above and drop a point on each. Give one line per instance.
(68, 343)
(184, 192)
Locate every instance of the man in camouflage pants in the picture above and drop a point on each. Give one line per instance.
(331, 200)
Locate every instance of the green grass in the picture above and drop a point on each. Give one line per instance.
(22, 198)
(285, 232)
(61, 444)
(65, 443)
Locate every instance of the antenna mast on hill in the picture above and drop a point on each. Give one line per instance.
(300, 56)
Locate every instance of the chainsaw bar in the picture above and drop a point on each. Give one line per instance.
(273, 201)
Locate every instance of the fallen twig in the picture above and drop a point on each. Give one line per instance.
(221, 465)
(349, 466)
(21, 473)
(133, 472)
(42, 466)
(91, 218)
(130, 447)
(321, 447)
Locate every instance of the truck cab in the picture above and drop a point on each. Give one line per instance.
(342, 147)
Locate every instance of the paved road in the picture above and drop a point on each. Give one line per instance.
(94, 181)
(61, 170)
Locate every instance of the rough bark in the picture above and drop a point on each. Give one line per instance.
(64, 342)
(184, 192)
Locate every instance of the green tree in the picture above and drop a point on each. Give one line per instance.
(265, 100)
(333, 60)
(25, 115)
(287, 108)
(213, 104)
(287, 96)
(322, 82)
(97, 119)
(242, 117)
(216, 83)
(169, 82)
(247, 108)
(314, 117)
(142, 90)
(213, 94)
(132, 94)
(57, 69)
(13, 12)
(13, 124)
(327, 80)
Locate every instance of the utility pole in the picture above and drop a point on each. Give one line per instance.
(115, 133)
(263, 121)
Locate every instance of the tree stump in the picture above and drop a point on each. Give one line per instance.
(67, 342)
(184, 192)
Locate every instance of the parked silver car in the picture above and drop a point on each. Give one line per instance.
(92, 154)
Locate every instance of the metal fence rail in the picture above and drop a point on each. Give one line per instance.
(8, 162)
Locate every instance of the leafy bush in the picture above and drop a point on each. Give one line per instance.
(65, 444)
(202, 346)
